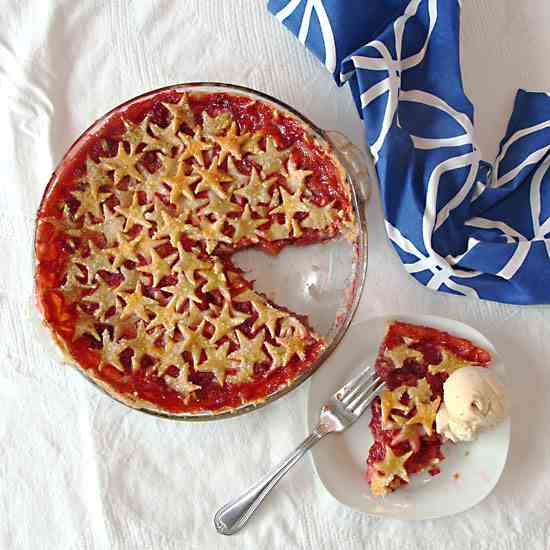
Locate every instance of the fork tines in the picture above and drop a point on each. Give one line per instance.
(360, 391)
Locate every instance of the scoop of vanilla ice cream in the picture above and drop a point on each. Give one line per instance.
(474, 400)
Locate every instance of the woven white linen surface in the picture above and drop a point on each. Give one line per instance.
(79, 471)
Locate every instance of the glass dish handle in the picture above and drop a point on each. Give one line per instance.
(357, 162)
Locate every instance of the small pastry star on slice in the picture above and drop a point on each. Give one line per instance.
(123, 164)
(319, 217)
(394, 465)
(189, 262)
(142, 344)
(181, 112)
(163, 139)
(182, 291)
(421, 393)
(239, 179)
(181, 382)
(411, 434)
(166, 317)
(296, 178)
(391, 400)
(252, 145)
(134, 214)
(249, 351)
(256, 191)
(219, 207)
(231, 142)
(136, 303)
(132, 278)
(277, 354)
(195, 342)
(85, 325)
(267, 314)
(215, 280)
(159, 267)
(90, 203)
(95, 177)
(425, 414)
(225, 322)
(246, 227)
(180, 183)
(216, 362)
(110, 354)
(213, 126)
(124, 250)
(194, 146)
(104, 296)
(135, 133)
(271, 160)
(449, 363)
(111, 226)
(400, 353)
(293, 346)
(98, 260)
(291, 205)
(172, 227)
(212, 178)
(171, 356)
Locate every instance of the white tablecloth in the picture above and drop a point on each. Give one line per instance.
(79, 471)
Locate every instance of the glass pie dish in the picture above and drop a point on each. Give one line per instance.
(151, 271)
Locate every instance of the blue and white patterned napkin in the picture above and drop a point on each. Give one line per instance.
(459, 224)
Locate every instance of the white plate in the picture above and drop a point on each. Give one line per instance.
(469, 472)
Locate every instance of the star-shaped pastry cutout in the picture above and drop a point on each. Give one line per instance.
(188, 263)
(192, 317)
(181, 382)
(393, 465)
(271, 160)
(111, 225)
(449, 363)
(276, 231)
(246, 227)
(181, 113)
(224, 323)
(379, 484)
(293, 346)
(231, 142)
(147, 244)
(291, 325)
(132, 278)
(159, 267)
(252, 145)
(425, 414)
(291, 205)
(277, 353)
(249, 351)
(136, 303)
(410, 434)
(267, 314)
(98, 260)
(135, 133)
(391, 400)
(400, 353)
(256, 191)
(213, 126)
(90, 202)
(212, 178)
(173, 228)
(123, 164)
(72, 287)
(180, 183)
(219, 207)
(319, 217)
(195, 343)
(124, 250)
(194, 146)
(142, 344)
(211, 233)
(171, 356)
(216, 362)
(182, 291)
(215, 280)
(163, 140)
(422, 392)
(134, 214)
(166, 316)
(85, 325)
(239, 179)
(110, 354)
(104, 296)
(296, 178)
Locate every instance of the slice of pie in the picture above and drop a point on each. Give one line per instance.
(134, 241)
(414, 361)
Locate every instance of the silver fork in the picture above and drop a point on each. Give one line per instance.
(338, 414)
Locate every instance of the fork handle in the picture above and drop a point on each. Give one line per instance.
(232, 517)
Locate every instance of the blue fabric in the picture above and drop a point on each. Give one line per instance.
(458, 224)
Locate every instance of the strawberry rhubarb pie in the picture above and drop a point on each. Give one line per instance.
(437, 389)
(134, 241)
